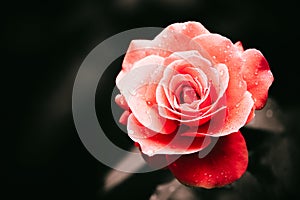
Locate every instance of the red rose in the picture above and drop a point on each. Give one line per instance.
(184, 89)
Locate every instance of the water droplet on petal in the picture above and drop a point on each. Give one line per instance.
(214, 57)
(205, 174)
(148, 103)
(256, 72)
(237, 105)
(256, 83)
(221, 72)
(183, 27)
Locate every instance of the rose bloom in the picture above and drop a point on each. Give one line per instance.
(189, 90)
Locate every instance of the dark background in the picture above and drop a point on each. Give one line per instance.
(44, 45)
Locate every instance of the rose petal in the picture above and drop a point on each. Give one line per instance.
(153, 143)
(221, 50)
(258, 76)
(124, 117)
(121, 101)
(139, 49)
(231, 121)
(226, 163)
(138, 86)
(239, 45)
(190, 29)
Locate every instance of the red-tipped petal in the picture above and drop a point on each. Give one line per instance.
(257, 74)
(153, 143)
(226, 163)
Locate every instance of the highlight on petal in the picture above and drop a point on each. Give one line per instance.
(226, 163)
(153, 143)
(257, 74)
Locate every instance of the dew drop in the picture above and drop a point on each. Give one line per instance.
(256, 72)
(148, 103)
(222, 72)
(228, 46)
(237, 105)
(209, 175)
(205, 174)
(222, 173)
(183, 27)
(214, 57)
(256, 83)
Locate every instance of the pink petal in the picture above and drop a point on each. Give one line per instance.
(226, 163)
(221, 50)
(138, 86)
(153, 143)
(139, 49)
(124, 117)
(175, 37)
(231, 121)
(258, 76)
(121, 101)
(190, 29)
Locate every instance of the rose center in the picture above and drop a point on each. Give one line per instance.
(188, 95)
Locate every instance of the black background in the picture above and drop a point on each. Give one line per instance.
(44, 45)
